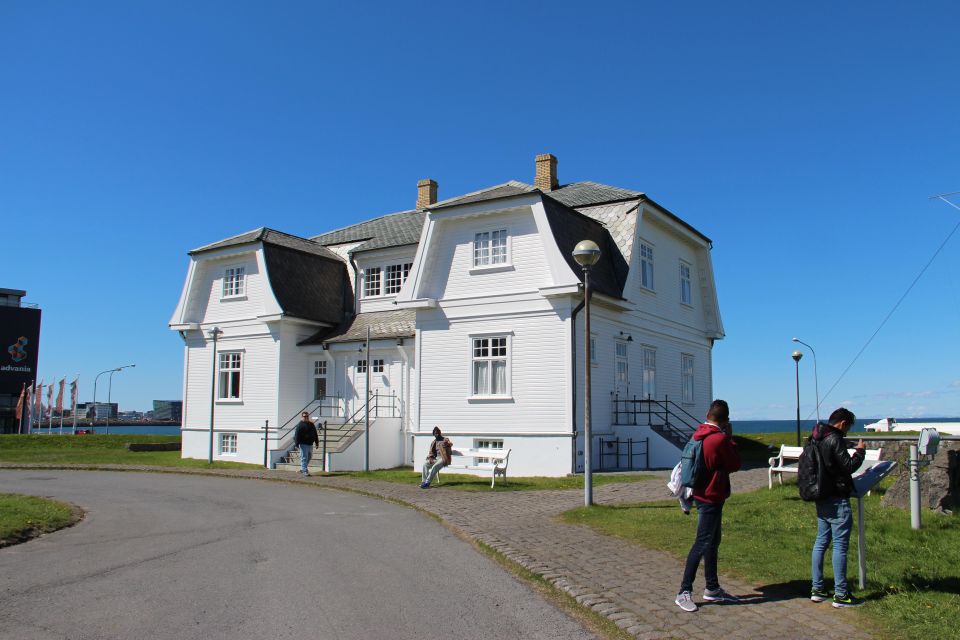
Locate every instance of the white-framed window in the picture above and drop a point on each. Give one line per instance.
(489, 361)
(361, 366)
(377, 366)
(686, 377)
(649, 379)
(371, 282)
(227, 445)
(622, 382)
(230, 364)
(234, 283)
(396, 276)
(490, 248)
(646, 266)
(686, 290)
(385, 280)
(319, 379)
(486, 443)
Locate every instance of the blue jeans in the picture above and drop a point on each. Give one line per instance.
(306, 452)
(431, 469)
(706, 545)
(834, 522)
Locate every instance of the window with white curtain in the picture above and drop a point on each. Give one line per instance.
(230, 364)
(233, 282)
(490, 248)
(686, 290)
(649, 378)
(228, 444)
(686, 375)
(490, 366)
(646, 266)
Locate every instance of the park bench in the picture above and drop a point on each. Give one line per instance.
(464, 459)
(786, 462)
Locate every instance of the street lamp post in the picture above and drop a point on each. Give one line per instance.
(214, 333)
(816, 383)
(586, 253)
(110, 392)
(796, 358)
(93, 420)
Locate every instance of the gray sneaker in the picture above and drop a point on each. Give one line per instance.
(719, 595)
(685, 601)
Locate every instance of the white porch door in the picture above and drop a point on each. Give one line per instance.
(381, 367)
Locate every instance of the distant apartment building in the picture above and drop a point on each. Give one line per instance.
(104, 409)
(20, 342)
(168, 410)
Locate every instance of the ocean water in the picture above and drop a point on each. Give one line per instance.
(126, 429)
(777, 426)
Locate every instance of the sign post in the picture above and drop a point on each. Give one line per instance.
(862, 485)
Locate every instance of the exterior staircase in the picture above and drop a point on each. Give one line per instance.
(664, 417)
(335, 434)
(334, 438)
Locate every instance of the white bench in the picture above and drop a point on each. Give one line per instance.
(464, 459)
(786, 462)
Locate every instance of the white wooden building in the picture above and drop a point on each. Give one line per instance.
(472, 309)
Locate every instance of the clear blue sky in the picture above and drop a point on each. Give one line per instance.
(803, 138)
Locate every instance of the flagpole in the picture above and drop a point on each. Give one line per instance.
(73, 391)
(23, 391)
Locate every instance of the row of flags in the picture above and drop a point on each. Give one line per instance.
(31, 399)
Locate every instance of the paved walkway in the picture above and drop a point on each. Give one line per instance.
(630, 585)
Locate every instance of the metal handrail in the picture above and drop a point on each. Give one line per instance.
(666, 409)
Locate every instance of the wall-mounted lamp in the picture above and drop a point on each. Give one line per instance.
(400, 341)
(629, 337)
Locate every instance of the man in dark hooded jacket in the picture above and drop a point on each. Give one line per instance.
(305, 437)
(834, 516)
(721, 458)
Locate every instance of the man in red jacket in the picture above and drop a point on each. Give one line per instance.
(720, 457)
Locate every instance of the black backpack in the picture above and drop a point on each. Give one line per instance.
(810, 472)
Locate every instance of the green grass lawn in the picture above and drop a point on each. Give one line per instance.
(98, 449)
(462, 482)
(913, 577)
(20, 515)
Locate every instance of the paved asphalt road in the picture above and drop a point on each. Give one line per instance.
(180, 557)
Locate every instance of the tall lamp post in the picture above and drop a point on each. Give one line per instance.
(586, 253)
(110, 392)
(93, 420)
(796, 358)
(816, 383)
(214, 333)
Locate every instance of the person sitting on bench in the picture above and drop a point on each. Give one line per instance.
(437, 458)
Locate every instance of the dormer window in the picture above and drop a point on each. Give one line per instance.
(371, 282)
(490, 248)
(234, 282)
(386, 280)
(396, 276)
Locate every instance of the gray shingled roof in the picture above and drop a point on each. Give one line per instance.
(399, 323)
(393, 230)
(271, 236)
(511, 188)
(585, 194)
(569, 227)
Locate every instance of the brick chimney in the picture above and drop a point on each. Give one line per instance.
(546, 178)
(426, 193)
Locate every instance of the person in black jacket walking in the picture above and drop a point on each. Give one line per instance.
(305, 436)
(834, 516)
